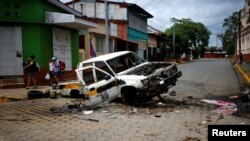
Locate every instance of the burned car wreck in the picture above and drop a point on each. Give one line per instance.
(124, 74)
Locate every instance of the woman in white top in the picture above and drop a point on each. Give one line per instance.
(51, 71)
(54, 67)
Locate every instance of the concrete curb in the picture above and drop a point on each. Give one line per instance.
(243, 73)
(7, 95)
(4, 99)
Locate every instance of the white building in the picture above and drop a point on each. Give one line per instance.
(245, 31)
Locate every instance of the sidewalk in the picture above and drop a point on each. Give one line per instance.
(243, 72)
(18, 93)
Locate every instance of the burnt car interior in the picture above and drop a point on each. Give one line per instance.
(124, 62)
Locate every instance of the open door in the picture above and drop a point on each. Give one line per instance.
(99, 85)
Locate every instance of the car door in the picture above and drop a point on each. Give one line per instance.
(99, 86)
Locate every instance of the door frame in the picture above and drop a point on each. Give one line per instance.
(91, 91)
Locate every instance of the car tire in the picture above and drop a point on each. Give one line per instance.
(74, 93)
(128, 95)
(35, 94)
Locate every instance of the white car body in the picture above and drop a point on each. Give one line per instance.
(124, 74)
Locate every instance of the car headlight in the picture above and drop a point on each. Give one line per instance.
(175, 69)
(145, 82)
(167, 73)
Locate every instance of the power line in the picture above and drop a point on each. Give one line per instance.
(215, 24)
(147, 3)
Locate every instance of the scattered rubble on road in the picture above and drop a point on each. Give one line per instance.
(168, 102)
(87, 112)
(191, 139)
(243, 105)
(162, 104)
(158, 115)
(172, 93)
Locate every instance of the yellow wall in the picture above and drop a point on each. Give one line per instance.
(92, 32)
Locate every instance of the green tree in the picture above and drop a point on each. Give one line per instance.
(188, 33)
(228, 38)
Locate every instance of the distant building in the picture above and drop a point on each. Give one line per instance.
(42, 28)
(245, 32)
(157, 45)
(127, 24)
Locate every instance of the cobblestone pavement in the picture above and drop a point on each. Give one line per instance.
(182, 118)
(33, 121)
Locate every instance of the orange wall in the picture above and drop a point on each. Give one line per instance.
(122, 31)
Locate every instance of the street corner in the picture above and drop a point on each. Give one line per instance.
(243, 73)
(22, 94)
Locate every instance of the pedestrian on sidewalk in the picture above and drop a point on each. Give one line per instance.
(56, 69)
(51, 71)
(30, 68)
(241, 58)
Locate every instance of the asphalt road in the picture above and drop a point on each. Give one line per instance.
(213, 78)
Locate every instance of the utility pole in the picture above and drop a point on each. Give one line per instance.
(95, 8)
(106, 49)
(239, 31)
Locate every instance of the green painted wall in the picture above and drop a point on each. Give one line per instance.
(25, 10)
(36, 34)
(37, 40)
(135, 35)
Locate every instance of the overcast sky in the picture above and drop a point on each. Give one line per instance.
(209, 12)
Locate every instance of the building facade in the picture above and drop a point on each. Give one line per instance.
(245, 32)
(128, 20)
(157, 45)
(42, 28)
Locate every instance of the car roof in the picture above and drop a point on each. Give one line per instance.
(106, 56)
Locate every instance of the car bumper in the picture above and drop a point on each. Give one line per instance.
(159, 87)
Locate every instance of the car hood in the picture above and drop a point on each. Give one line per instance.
(146, 69)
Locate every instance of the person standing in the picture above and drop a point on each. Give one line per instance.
(241, 58)
(57, 71)
(30, 68)
(51, 71)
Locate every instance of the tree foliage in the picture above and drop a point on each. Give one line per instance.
(228, 38)
(188, 34)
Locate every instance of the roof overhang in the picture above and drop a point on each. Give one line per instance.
(140, 11)
(64, 7)
(68, 20)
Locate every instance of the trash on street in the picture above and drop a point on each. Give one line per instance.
(88, 112)
(227, 108)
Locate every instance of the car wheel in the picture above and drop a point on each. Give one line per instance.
(74, 93)
(128, 95)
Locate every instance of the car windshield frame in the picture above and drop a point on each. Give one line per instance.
(124, 62)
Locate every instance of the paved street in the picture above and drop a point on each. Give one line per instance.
(34, 120)
(213, 78)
